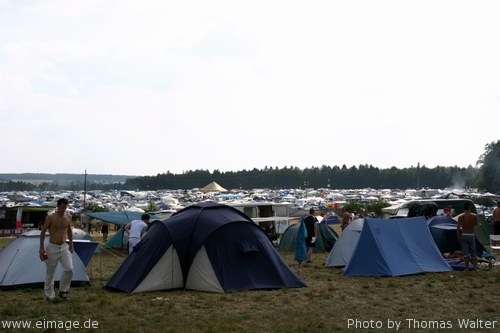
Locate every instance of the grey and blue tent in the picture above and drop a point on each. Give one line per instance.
(20, 265)
(208, 247)
(394, 247)
(346, 243)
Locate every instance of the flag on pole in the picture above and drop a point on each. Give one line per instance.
(19, 218)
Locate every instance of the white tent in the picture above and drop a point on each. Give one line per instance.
(20, 264)
(213, 187)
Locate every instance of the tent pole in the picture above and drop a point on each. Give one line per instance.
(85, 190)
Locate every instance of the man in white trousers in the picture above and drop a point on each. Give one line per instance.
(59, 226)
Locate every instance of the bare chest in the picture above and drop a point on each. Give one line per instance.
(59, 223)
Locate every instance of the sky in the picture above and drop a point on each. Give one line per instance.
(148, 87)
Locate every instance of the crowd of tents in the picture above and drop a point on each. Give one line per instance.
(216, 248)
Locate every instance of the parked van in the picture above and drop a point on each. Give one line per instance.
(429, 208)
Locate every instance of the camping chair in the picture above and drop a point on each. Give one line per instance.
(495, 243)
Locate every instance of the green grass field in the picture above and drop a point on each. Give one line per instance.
(329, 303)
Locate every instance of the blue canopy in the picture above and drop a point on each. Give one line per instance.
(120, 218)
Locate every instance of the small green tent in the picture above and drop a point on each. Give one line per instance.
(482, 230)
(325, 240)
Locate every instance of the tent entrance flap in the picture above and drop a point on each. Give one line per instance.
(202, 275)
(166, 274)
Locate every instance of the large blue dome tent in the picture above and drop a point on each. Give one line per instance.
(208, 247)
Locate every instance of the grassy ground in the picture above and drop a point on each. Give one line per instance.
(326, 305)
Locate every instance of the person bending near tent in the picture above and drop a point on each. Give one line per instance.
(312, 232)
(136, 230)
(465, 234)
(59, 226)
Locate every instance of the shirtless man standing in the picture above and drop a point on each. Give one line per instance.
(465, 234)
(496, 219)
(59, 227)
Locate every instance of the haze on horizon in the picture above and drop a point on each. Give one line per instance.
(128, 88)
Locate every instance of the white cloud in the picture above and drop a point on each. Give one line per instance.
(263, 83)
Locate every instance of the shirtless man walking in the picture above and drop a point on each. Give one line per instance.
(59, 227)
(465, 234)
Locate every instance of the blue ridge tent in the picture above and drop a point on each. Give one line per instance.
(208, 247)
(394, 247)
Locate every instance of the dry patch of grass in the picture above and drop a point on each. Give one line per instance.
(324, 306)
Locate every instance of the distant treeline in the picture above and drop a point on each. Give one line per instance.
(486, 176)
(62, 178)
(275, 178)
(326, 176)
(58, 181)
